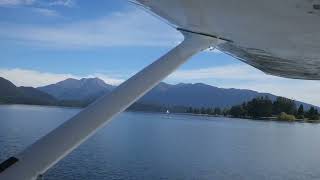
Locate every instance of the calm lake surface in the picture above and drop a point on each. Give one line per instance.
(159, 146)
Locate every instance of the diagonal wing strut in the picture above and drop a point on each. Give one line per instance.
(44, 153)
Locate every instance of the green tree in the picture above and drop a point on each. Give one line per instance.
(284, 105)
(237, 111)
(189, 110)
(313, 114)
(225, 111)
(286, 117)
(259, 107)
(208, 111)
(300, 110)
(217, 111)
(203, 110)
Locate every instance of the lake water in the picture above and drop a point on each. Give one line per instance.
(159, 146)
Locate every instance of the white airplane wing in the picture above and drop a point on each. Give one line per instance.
(281, 38)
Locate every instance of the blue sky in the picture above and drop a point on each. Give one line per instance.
(45, 41)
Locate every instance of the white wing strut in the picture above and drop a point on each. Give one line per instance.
(44, 153)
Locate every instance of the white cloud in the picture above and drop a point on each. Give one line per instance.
(16, 2)
(107, 78)
(226, 72)
(68, 3)
(36, 6)
(134, 27)
(46, 12)
(25, 77)
(131, 28)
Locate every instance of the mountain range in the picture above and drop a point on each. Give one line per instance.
(73, 92)
(9, 93)
(73, 89)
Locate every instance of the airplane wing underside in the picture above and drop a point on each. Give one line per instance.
(281, 38)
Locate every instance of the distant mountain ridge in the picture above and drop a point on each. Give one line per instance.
(182, 94)
(199, 95)
(73, 89)
(9, 93)
(79, 93)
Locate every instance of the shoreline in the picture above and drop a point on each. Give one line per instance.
(274, 119)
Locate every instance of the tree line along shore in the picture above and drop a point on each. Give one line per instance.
(282, 109)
